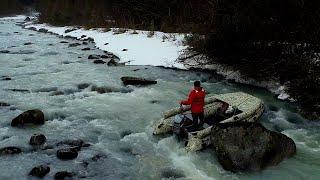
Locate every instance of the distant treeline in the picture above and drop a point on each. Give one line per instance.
(264, 39)
(8, 7)
(163, 15)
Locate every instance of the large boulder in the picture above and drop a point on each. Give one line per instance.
(37, 140)
(249, 146)
(10, 150)
(34, 116)
(40, 171)
(137, 81)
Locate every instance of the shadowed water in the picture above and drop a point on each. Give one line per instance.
(118, 124)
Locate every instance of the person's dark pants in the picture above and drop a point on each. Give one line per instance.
(196, 117)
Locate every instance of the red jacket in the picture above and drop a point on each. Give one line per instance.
(196, 100)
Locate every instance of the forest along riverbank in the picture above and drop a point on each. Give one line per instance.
(84, 103)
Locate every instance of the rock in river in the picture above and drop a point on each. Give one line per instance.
(3, 104)
(63, 175)
(67, 153)
(92, 56)
(249, 146)
(86, 49)
(40, 171)
(34, 116)
(98, 61)
(136, 81)
(10, 150)
(37, 140)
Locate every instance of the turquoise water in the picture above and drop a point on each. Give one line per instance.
(103, 119)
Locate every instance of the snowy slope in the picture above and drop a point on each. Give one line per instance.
(162, 49)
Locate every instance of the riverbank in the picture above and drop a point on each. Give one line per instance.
(135, 47)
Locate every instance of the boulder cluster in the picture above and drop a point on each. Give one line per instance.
(66, 150)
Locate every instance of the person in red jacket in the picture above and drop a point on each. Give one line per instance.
(196, 100)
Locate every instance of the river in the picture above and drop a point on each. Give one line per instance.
(118, 125)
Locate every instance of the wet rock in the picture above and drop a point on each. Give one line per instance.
(34, 116)
(31, 35)
(86, 145)
(74, 44)
(83, 36)
(3, 104)
(18, 90)
(92, 56)
(136, 81)
(27, 19)
(112, 62)
(10, 150)
(171, 173)
(105, 56)
(86, 49)
(4, 51)
(28, 43)
(6, 78)
(249, 146)
(106, 44)
(43, 30)
(57, 93)
(101, 90)
(99, 61)
(62, 175)
(98, 157)
(64, 42)
(32, 28)
(84, 43)
(70, 37)
(124, 49)
(69, 30)
(136, 70)
(154, 102)
(83, 85)
(67, 153)
(40, 171)
(37, 140)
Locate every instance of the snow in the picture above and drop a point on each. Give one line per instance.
(162, 49)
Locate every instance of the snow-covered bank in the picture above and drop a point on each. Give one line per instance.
(154, 48)
(135, 47)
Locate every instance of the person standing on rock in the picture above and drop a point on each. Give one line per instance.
(196, 100)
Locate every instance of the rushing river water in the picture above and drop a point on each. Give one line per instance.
(118, 124)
